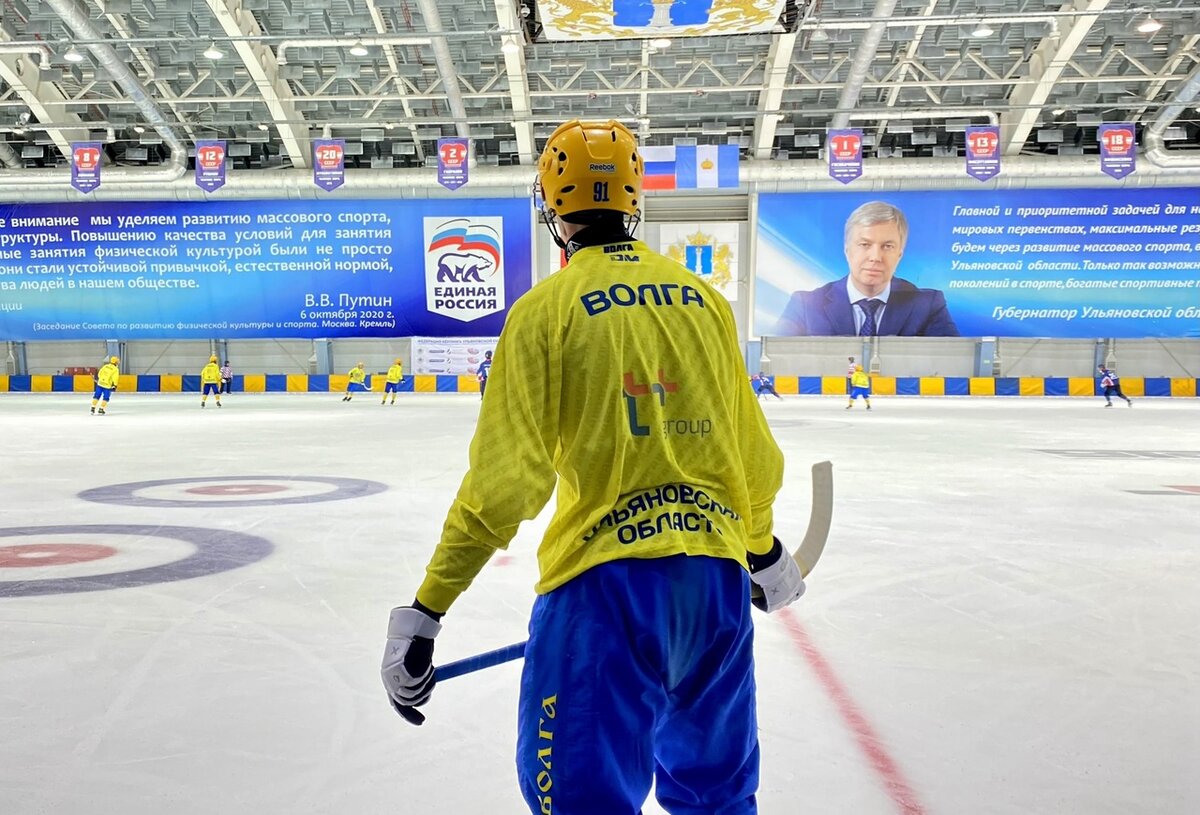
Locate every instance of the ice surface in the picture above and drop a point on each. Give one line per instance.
(1005, 629)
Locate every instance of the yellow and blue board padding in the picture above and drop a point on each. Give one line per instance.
(804, 385)
(988, 386)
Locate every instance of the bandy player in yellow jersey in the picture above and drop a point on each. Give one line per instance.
(638, 666)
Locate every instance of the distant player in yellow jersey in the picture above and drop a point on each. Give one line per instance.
(357, 377)
(639, 663)
(860, 385)
(394, 375)
(210, 381)
(107, 379)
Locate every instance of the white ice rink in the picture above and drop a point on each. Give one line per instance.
(1001, 623)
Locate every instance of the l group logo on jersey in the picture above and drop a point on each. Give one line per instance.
(464, 267)
(632, 389)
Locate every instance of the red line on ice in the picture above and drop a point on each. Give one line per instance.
(868, 740)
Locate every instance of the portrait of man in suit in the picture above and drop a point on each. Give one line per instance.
(870, 300)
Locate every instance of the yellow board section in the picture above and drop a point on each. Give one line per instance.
(297, 383)
(932, 386)
(981, 386)
(1081, 386)
(170, 383)
(254, 383)
(1032, 386)
(1179, 387)
(338, 383)
(425, 383)
(127, 383)
(833, 385)
(82, 383)
(468, 384)
(883, 386)
(1133, 385)
(787, 384)
(41, 383)
(3, 383)
(378, 382)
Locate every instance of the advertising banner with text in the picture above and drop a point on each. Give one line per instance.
(1071, 263)
(172, 270)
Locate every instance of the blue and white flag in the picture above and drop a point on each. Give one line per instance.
(690, 167)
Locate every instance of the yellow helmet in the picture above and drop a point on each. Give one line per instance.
(589, 166)
(114, 360)
(858, 367)
(212, 359)
(398, 362)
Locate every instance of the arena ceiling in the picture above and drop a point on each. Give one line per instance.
(393, 76)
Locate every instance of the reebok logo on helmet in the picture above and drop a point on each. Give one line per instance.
(602, 168)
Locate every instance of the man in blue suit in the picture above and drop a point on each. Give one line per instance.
(870, 300)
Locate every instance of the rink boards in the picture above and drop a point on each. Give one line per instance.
(803, 385)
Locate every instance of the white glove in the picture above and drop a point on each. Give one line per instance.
(408, 661)
(776, 578)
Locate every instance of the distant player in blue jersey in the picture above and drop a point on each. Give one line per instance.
(765, 384)
(1112, 386)
(485, 370)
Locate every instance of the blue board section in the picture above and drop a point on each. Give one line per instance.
(1056, 386)
(958, 386)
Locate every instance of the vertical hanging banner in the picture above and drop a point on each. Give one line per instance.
(983, 152)
(452, 163)
(210, 165)
(85, 165)
(329, 163)
(845, 154)
(1118, 149)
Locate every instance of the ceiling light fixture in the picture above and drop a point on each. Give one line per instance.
(1059, 111)
(139, 129)
(983, 30)
(263, 126)
(358, 49)
(1149, 25)
(660, 43)
(510, 46)
(213, 52)
(73, 55)
(820, 34)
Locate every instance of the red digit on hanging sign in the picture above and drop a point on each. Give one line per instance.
(845, 146)
(984, 143)
(1118, 141)
(87, 158)
(211, 156)
(453, 153)
(329, 155)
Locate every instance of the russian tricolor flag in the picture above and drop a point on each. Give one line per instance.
(690, 167)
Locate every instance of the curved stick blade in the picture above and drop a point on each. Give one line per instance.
(819, 519)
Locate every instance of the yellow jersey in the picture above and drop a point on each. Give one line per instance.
(395, 374)
(860, 379)
(109, 376)
(357, 375)
(210, 374)
(621, 380)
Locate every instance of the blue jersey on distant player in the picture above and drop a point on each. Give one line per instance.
(1109, 379)
(485, 368)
